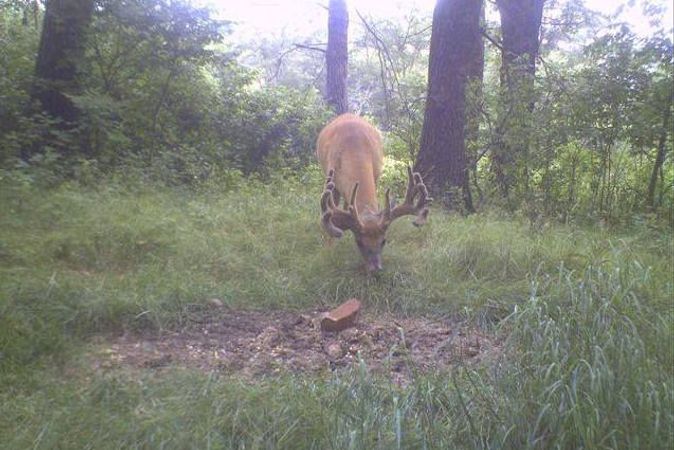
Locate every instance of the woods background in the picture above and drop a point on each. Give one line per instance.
(546, 108)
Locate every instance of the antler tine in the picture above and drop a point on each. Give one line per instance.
(353, 194)
(415, 189)
(334, 219)
(327, 208)
(409, 194)
(388, 205)
(352, 205)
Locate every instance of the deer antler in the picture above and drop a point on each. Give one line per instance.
(415, 188)
(334, 219)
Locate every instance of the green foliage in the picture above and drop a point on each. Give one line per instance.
(276, 126)
(589, 148)
(18, 40)
(164, 100)
(586, 340)
(388, 74)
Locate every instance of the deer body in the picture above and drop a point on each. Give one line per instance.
(352, 148)
(350, 152)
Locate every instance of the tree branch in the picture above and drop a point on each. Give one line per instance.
(491, 39)
(310, 47)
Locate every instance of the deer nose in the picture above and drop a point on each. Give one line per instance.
(374, 264)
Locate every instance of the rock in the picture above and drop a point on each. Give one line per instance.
(302, 319)
(472, 351)
(158, 362)
(365, 341)
(216, 302)
(334, 350)
(350, 335)
(342, 317)
(269, 337)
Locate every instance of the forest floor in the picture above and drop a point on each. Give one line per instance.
(254, 344)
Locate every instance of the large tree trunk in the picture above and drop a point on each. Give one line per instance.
(455, 42)
(337, 56)
(474, 112)
(520, 29)
(62, 46)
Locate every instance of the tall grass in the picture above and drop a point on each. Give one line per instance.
(586, 315)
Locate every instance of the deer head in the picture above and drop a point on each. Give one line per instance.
(369, 227)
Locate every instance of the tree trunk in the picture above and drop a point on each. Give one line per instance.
(520, 28)
(60, 53)
(659, 157)
(337, 56)
(473, 114)
(455, 42)
(476, 65)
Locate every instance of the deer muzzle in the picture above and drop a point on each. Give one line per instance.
(373, 263)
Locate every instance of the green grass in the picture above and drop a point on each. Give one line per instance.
(586, 315)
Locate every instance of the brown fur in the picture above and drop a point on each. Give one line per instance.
(353, 148)
(350, 152)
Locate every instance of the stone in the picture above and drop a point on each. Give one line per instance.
(216, 302)
(334, 350)
(342, 317)
(350, 336)
(269, 337)
(472, 351)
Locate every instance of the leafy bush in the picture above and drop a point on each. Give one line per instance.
(161, 102)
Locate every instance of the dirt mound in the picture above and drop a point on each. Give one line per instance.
(255, 343)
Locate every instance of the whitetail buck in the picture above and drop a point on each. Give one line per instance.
(350, 151)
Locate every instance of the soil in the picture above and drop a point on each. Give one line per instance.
(253, 344)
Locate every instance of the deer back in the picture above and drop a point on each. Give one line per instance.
(352, 147)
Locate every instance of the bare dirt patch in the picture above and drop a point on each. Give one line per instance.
(256, 343)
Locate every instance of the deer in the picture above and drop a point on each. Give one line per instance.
(350, 152)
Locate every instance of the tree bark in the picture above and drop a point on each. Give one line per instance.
(473, 115)
(520, 29)
(455, 42)
(659, 157)
(62, 46)
(337, 56)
